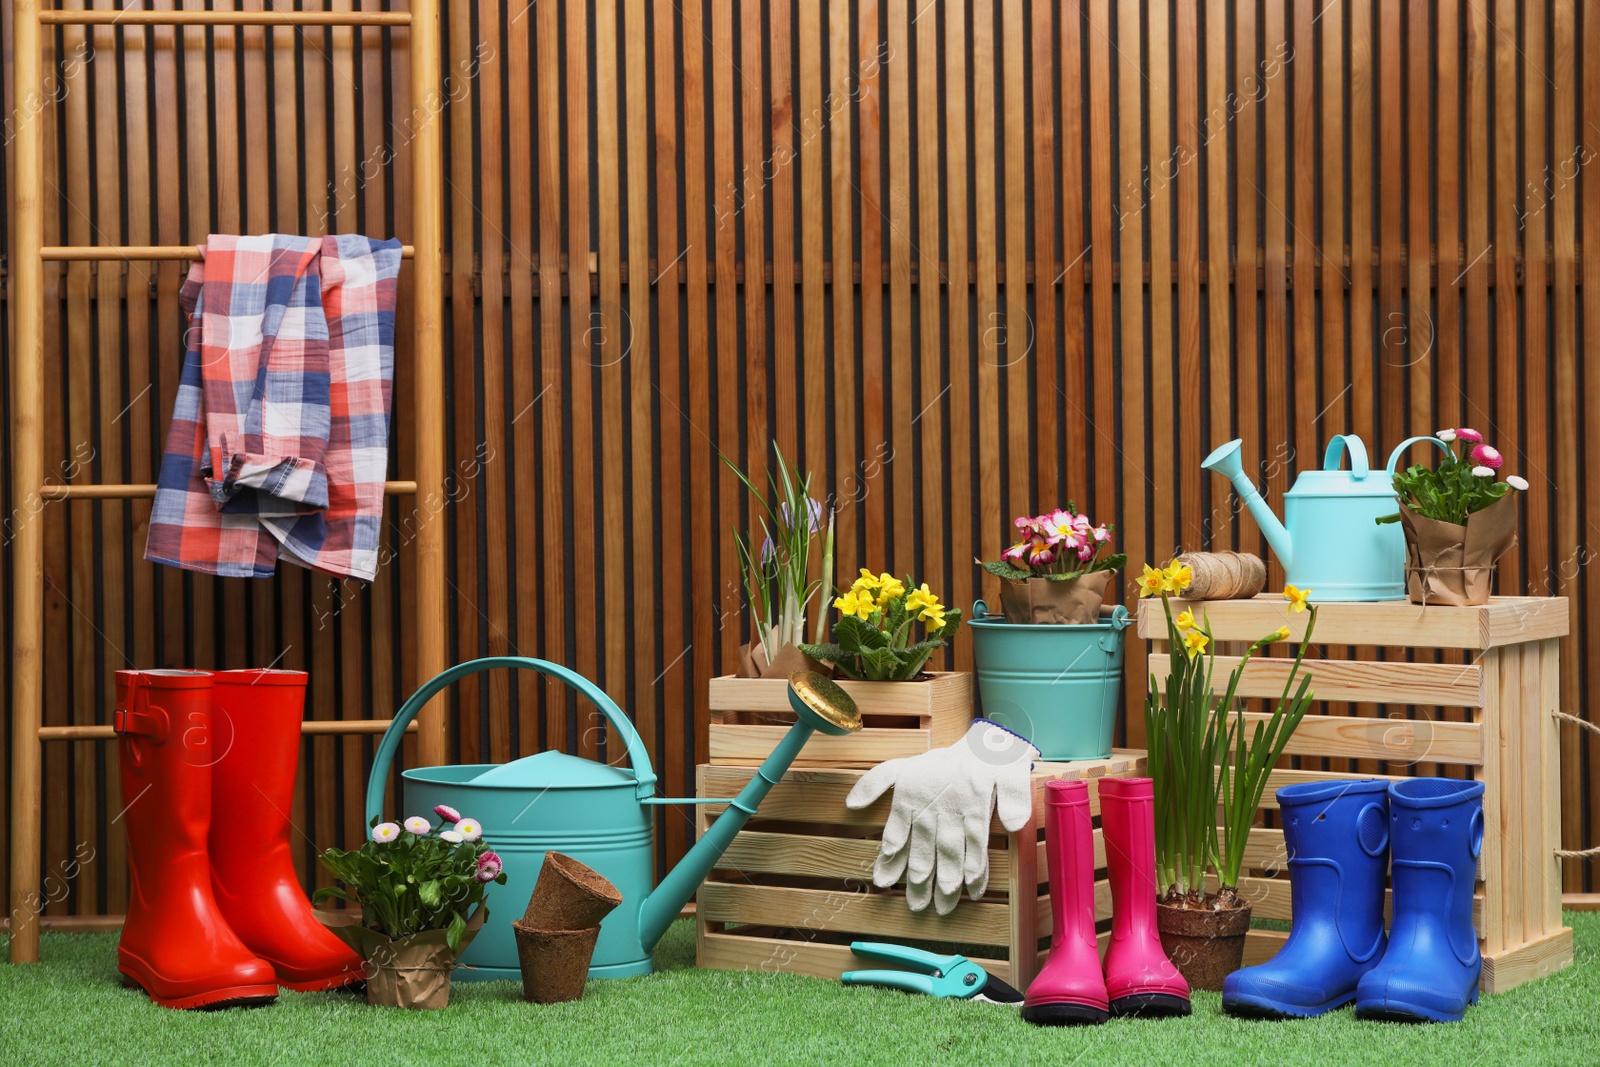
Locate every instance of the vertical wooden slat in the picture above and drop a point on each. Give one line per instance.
(1417, 356)
(1101, 249)
(731, 496)
(1075, 258)
(1303, 356)
(902, 471)
(1130, 448)
(1163, 357)
(1050, 475)
(1501, 415)
(612, 334)
(750, 197)
(1363, 339)
(786, 386)
(1533, 376)
(1446, 196)
(552, 359)
(991, 320)
(1185, 159)
(1017, 355)
(1219, 263)
(931, 399)
(1280, 436)
(871, 495)
(813, 224)
(1580, 749)
(1247, 90)
(961, 351)
(526, 399)
(580, 441)
(1333, 414)
(841, 93)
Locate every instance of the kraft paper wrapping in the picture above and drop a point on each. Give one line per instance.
(1074, 602)
(753, 662)
(1454, 565)
(411, 972)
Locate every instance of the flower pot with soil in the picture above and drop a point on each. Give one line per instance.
(1202, 756)
(1458, 518)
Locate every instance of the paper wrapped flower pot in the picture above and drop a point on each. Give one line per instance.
(1073, 602)
(1454, 565)
(409, 972)
(569, 896)
(555, 963)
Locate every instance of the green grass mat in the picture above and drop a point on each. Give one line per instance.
(71, 1010)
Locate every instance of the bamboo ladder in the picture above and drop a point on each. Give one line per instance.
(27, 431)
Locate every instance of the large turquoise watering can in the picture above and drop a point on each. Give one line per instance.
(1328, 540)
(596, 813)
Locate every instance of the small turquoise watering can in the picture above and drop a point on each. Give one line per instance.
(1328, 540)
(596, 813)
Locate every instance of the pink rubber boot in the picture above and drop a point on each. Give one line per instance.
(1140, 979)
(1070, 991)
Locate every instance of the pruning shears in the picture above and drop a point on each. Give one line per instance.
(940, 976)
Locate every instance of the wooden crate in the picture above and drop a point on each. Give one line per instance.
(750, 715)
(1505, 735)
(795, 887)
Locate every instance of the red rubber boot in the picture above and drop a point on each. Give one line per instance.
(258, 717)
(1070, 990)
(1140, 979)
(175, 944)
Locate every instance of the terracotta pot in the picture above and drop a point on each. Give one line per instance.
(1206, 946)
(555, 963)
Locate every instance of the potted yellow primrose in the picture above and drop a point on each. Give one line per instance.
(886, 631)
(1203, 756)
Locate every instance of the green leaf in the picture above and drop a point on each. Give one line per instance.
(455, 931)
(831, 652)
(879, 663)
(851, 634)
(1005, 569)
(428, 892)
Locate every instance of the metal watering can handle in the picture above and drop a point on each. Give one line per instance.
(615, 717)
(1399, 450)
(1337, 444)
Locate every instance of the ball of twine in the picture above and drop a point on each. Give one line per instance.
(1224, 575)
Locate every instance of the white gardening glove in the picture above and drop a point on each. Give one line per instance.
(937, 834)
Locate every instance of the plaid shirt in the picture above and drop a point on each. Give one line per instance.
(279, 442)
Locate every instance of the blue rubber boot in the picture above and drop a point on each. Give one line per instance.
(1336, 835)
(1430, 971)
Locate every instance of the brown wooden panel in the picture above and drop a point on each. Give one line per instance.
(677, 230)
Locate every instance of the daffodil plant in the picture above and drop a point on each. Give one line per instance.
(1202, 753)
(1059, 545)
(777, 579)
(1466, 480)
(417, 876)
(876, 638)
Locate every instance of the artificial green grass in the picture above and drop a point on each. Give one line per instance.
(71, 1009)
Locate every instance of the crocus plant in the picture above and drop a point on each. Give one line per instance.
(877, 634)
(1058, 545)
(416, 876)
(1198, 750)
(777, 577)
(1466, 480)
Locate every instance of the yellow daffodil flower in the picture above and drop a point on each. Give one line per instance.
(1296, 597)
(1195, 642)
(1184, 621)
(1151, 582)
(1176, 578)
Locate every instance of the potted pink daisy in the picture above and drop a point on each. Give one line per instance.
(1459, 518)
(1059, 571)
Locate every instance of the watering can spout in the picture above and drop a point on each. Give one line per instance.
(819, 705)
(1226, 461)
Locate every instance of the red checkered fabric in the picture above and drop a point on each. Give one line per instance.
(279, 441)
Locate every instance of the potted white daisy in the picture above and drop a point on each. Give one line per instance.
(420, 887)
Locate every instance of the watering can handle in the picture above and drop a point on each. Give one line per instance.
(1399, 450)
(1337, 444)
(615, 718)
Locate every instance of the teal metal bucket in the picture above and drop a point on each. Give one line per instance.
(1058, 686)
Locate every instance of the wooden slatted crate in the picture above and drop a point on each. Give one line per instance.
(1504, 734)
(795, 887)
(750, 715)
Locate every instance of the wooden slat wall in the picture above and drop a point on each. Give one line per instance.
(960, 260)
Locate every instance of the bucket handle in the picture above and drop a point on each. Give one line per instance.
(615, 718)
(1338, 444)
(1399, 450)
(1119, 621)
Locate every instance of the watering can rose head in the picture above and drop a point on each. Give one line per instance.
(1058, 545)
(875, 636)
(1467, 480)
(414, 876)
